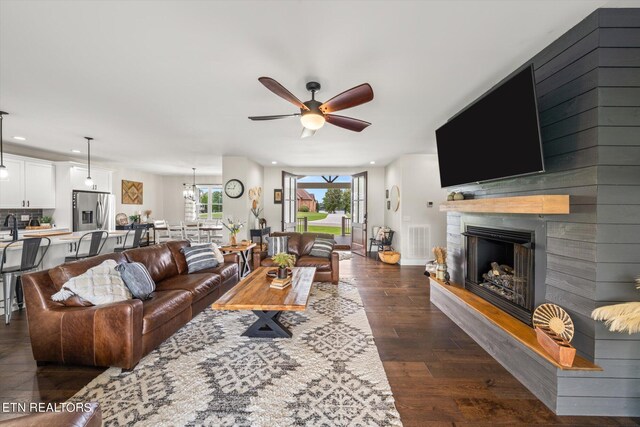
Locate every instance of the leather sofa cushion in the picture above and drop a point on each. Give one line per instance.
(267, 262)
(198, 284)
(163, 306)
(293, 244)
(321, 264)
(300, 244)
(61, 274)
(157, 259)
(226, 270)
(175, 247)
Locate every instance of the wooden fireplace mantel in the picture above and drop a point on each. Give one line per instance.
(541, 204)
(510, 325)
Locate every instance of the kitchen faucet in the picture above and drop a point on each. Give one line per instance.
(14, 229)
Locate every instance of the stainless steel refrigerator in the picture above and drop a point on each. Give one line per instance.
(93, 211)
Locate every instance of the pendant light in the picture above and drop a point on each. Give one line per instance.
(4, 172)
(88, 182)
(189, 192)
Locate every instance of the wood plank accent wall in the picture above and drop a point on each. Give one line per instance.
(588, 88)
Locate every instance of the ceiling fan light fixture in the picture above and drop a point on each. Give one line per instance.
(311, 120)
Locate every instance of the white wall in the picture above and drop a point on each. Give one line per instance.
(251, 175)
(418, 178)
(375, 191)
(173, 201)
(153, 191)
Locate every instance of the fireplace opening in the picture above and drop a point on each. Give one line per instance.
(499, 268)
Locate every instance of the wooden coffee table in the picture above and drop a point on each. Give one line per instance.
(254, 293)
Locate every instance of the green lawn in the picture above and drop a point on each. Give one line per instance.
(312, 216)
(215, 215)
(337, 231)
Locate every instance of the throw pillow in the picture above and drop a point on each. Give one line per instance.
(137, 278)
(277, 244)
(199, 257)
(322, 248)
(217, 253)
(99, 285)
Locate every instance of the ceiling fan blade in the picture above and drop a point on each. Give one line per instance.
(346, 122)
(281, 116)
(282, 92)
(307, 132)
(350, 98)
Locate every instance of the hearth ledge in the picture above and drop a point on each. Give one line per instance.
(513, 327)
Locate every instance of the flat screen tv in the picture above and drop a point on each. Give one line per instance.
(496, 137)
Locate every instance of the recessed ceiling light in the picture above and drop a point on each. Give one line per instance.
(372, 162)
(274, 163)
(76, 151)
(20, 138)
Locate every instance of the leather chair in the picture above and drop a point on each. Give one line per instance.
(300, 245)
(120, 334)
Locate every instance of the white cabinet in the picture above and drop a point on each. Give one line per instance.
(101, 179)
(31, 184)
(12, 187)
(39, 185)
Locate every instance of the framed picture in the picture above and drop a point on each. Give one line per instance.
(388, 204)
(277, 196)
(132, 192)
(386, 194)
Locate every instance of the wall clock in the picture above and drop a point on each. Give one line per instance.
(234, 188)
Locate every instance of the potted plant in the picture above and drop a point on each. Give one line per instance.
(134, 218)
(283, 260)
(46, 220)
(234, 228)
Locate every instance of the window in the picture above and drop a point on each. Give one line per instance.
(209, 205)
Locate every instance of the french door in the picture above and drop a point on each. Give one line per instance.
(289, 201)
(359, 213)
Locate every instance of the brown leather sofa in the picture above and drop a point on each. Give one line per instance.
(90, 418)
(300, 244)
(120, 334)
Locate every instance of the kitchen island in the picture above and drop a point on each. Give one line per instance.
(62, 245)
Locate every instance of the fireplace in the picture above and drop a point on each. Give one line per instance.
(500, 268)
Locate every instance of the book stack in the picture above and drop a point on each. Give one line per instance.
(280, 283)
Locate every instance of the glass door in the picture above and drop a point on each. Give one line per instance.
(359, 213)
(289, 201)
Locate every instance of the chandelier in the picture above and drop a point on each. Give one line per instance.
(189, 192)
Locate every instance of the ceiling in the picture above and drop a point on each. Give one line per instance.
(167, 85)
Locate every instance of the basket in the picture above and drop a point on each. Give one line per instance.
(389, 257)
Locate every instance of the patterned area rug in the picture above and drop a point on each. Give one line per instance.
(328, 374)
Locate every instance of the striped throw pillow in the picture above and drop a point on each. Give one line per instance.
(199, 257)
(137, 278)
(277, 244)
(322, 248)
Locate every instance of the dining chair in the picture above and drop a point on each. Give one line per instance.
(29, 261)
(96, 240)
(191, 231)
(138, 235)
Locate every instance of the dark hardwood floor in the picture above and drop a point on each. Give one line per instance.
(439, 376)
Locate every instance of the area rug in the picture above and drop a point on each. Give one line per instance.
(328, 374)
(344, 255)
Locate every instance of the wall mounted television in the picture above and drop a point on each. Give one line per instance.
(498, 136)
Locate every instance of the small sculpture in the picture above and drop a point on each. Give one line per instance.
(263, 223)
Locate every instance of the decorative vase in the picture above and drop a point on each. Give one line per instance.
(282, 273)
(441, 271)
(233, 241)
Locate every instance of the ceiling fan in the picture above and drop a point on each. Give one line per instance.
(313, 114)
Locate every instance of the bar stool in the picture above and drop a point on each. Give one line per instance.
(29, 261)
(138, 235)
(95, 247)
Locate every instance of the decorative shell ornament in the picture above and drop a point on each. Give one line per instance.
(551, 316)
(255, 193)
